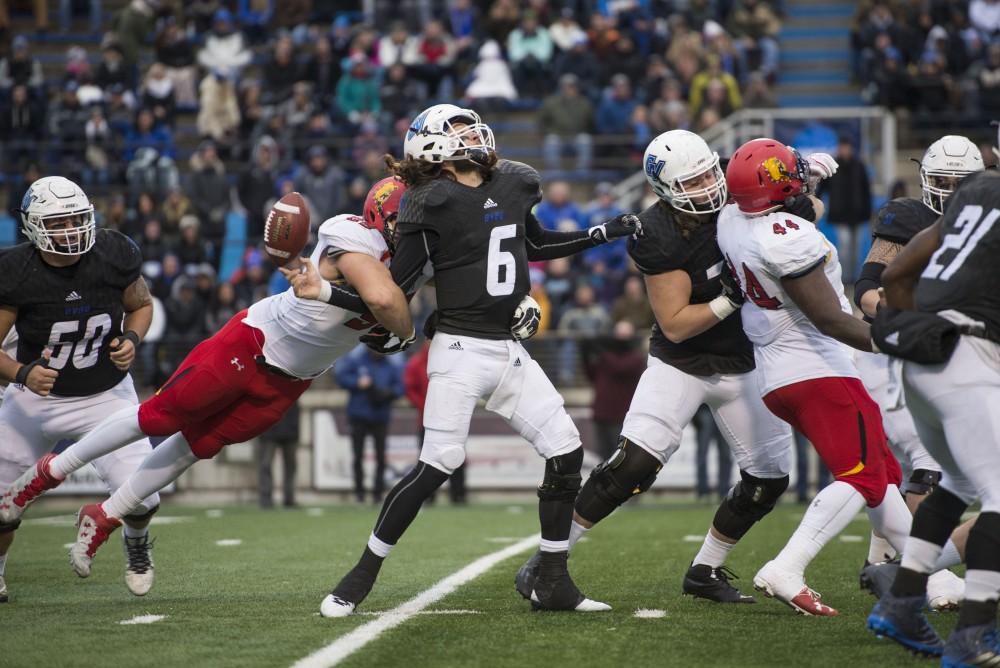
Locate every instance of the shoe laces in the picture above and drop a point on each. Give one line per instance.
(724, 573)
(139, 550)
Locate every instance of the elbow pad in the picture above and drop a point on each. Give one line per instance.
(871, 279)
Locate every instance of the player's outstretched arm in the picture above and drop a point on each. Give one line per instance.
(543, 244)
(36, 376)
(815, 297)
(670, 297)
(901, 276)
(379, 292)
(138, 306)
(866, 290)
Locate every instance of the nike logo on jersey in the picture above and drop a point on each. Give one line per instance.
(456, 346)
(489, 203)
(236, 363)
(73, 296)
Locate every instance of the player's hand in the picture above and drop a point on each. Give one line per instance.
(41, 378)
(804, 206)
(385, 342)
(625, 225)
(122, 353)
(821, 165)
(305, 280)
(527, 319)
(731, 288)
(364, 382)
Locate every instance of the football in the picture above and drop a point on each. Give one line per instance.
(287, 229)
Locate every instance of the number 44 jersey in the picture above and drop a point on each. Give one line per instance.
(760, 251)
(75, 311)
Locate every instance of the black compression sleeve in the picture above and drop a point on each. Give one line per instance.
(871, 279)
(543, 244)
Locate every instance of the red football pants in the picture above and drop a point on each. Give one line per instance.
(219, 395)
(845, 426)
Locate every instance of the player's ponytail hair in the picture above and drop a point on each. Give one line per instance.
(417, 172)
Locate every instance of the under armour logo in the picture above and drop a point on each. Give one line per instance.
(236, 363)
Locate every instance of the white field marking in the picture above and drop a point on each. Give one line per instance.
(515, 509)
(344, 646)
(502, 539)
(142, 619)
(368, 613)
(229, 542)
(70, 520)
(213, 512)
(315, 512)
(850, 538)
(646, 613)
(693, 538)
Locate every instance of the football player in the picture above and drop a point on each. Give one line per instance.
(801, 324)
(238, 383)
(469, 214)
(698, 354)
(943, 281)
(75, 299)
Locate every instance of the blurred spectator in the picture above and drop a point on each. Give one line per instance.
(253, 114)
(119, 109)
(754, 26)
(322, 69)
(68, 126)
(100, 144)
(318, 131)
(166, 272)
(299, 107)
(707, 435)
(224, 47)
(115, 69)
(158, 94)
(567, 117)
(501, 19)
(399, 93)
(256, 185)
(21, 68)
(580, 62)
(709, 117)
(185, 319)
(143, 212)
(292, 15)
(204, 281)
(208, 188)
(758, 94)
(614, 116)
(987, 78)
(565, 31)
(714, 88)
(373, 381)
(583, 320)
(251, 282)
(368, 140)
(398, 47)
(850, 206)
(114, 217)
(491, 83)
(602, 34)
(984, 15)
(633, 305)
(322, 182)
(436, 57)
(556, 210)
(201, 13)
(222, 307)
(147, 134)
(219, 111)
(357, 190)
(559, 285)
(154, 248)
(612, 255)
(149, 171)
(530, 49)
(625, 59)
(280, 72)
(132, 27)
(613, 365)
(66, 8)
(932, 88)
(175, 206)
(358, 91)
(192, 249)
(22, 122)
(175, 51)
(77, 64)
(537, 277)
(283, 436)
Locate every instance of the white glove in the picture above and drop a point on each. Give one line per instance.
(821, 166)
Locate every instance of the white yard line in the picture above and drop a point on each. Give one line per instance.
(344, 646)
(646, 613)
(142, 619)
(229, 542)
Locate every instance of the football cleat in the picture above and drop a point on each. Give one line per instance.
(334, 606)
(28, 487)
(877, 578)
(702, 581)
(791, 590)
(902, 619)
(554, 589)
(93, 529)
(138, 564)
(3, 590)
(352, 589)
(944, 589)
(524, 581)
(972, 647)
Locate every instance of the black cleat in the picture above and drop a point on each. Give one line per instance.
(903, 620)
(878, 578)
(972, 646)
(703, 581)
(352, 589)
(554, 589)
(524, 581)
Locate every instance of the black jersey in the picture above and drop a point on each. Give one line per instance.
(74, 311)
(724, 348)
(480, 258)
(963, 274)
(900, 219)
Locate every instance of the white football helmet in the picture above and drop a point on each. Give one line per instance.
(946, 161)
(433, 137)
(678, 156)
(55, 197)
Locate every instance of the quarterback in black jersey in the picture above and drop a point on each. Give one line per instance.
(468, 215)
(79, 306)
(942, 286)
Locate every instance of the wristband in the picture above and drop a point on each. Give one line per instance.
(131, 336)
(22, 374)
(325, 292)
(722, 307)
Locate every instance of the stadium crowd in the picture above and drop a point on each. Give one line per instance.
(188, 112)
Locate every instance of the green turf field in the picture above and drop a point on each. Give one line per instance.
(256, 603)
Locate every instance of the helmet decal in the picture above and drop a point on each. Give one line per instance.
(776, 170)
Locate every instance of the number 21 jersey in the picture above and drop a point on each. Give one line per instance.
(761, 251)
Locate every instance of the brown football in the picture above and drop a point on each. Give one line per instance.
(287, 229)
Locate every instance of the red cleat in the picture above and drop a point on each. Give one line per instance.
(28, 487)
(94, 528)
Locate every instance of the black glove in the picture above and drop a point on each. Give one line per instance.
(431, 325)
(731, 287)
(801, 206)
(383, 341)
(625, 225)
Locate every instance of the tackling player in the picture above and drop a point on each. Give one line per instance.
(799, 321)
(79, 306)
(237, 384)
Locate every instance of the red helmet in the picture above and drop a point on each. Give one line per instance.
(762, 174)
(382, 206)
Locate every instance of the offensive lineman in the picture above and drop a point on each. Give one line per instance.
(946, 277)
(469, 214)
(236, 384)
(79, 306)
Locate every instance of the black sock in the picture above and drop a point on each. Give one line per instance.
(976, 613)
(403, 502)
(909, 583)
(555, 518)
(370, 562)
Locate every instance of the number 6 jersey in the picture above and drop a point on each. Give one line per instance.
(75, 311)
(762, 250)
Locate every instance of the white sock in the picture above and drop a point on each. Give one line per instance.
(920, 555)
(879, 550)
(832, 510)
(160, 468)
(114, 432)
(379, 547)
(3, 563)
(892, 518)
(132, 532)
(553, 545)
(713, 551)
(982, 585)
(576, 531)
(949, 556)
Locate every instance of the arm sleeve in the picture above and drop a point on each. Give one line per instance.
(545, 244)
(871, 279)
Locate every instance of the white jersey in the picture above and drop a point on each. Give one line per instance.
(9, 346)
(762, 250)
(305, 336)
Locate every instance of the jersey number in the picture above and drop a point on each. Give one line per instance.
(500, 267)
(971, 228)
(84, 352)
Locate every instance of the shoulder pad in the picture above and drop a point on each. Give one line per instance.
(514, 168)
(900, 219)
(331, 225)
(655, 252)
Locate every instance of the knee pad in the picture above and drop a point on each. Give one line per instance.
(10, 528)
(983, 550)
(142, 517)
(562, 477)
(629, 471)
(937, 516)
(922, 481)
(445, 457)
(747, 503)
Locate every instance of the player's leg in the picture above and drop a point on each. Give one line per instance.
(379, 436)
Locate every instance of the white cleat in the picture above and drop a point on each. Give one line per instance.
(138, 564)
(791, 589)
(334, 606)
(3, 590)
(586, 605)
(29, 486)
(945, 591)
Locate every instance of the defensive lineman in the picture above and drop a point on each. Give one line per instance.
(79, 306)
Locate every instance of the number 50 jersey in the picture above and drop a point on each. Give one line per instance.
(762, 250)
(74, 311)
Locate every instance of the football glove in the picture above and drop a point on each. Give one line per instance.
(802, 206)
(527, 318)
(383, 341)
(731, 288)
(625, 225)
(821, 166)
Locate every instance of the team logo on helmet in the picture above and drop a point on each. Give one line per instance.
(776, 170)
(654, 166)
(384, 193)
